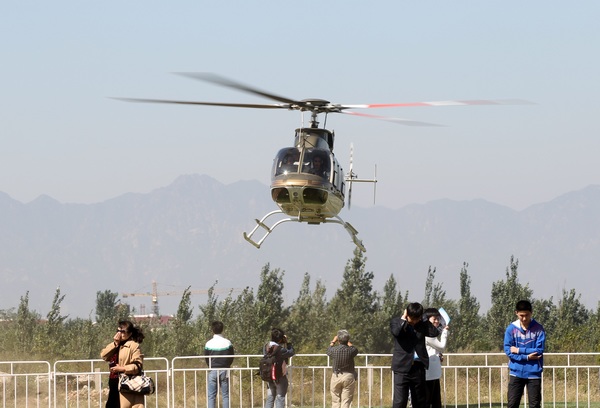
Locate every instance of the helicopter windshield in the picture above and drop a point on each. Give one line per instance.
(287, 161)
(316, 161)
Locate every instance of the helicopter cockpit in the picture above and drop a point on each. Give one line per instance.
(292, 160)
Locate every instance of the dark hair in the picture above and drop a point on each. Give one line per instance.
(136, 332)
(277, 335)
(524, 306)
(414, 310)
(432, 311)
(217, 327)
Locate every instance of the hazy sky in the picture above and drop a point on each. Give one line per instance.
(62, 136)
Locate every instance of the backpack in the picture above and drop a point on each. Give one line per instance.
(270, 365)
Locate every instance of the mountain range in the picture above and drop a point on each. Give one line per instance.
(189, 234)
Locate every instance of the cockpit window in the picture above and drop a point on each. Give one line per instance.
(287, 161)
(316, 161)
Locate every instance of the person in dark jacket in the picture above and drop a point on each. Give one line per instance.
(219, 354)
(410, 358)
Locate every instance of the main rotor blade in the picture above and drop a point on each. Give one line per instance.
(219, 80)
(439, 103)
(236, 105)
(407, 122)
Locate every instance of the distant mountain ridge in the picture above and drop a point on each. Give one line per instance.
(190, 234)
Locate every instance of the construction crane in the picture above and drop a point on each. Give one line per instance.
(155, 294)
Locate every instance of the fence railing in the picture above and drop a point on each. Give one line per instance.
(570, 379)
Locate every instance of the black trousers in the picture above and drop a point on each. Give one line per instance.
(434, 394)
(113, 400)
(516, 386)
(413, 381)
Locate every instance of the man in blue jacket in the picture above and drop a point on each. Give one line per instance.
(524, 343)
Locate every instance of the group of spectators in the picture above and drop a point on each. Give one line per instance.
(419, 342)
(417, 368)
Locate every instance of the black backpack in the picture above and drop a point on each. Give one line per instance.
(269, 366)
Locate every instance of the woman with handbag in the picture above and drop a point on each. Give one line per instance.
(126, 345)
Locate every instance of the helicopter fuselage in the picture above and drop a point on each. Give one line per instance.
(306, 180)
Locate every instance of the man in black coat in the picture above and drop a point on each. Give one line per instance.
(410, 358)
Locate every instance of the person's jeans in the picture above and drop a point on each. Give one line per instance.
(218, 379)
(277, 393)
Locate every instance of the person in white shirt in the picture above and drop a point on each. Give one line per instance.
(435, 347)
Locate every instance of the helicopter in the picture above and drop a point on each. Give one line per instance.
(307, 182)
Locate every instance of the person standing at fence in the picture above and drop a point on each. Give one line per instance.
(343, 379)
(113, 379)
(410, 358)
(282, 349)
(524, 344)
(126, 344)
(435, 347)
(218, 378)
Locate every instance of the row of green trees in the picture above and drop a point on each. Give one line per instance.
(310, 321)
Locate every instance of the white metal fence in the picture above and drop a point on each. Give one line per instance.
(570, 379)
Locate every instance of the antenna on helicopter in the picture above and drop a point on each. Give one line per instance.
(352, 177)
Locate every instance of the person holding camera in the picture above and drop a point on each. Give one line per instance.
(435, 348)
(410, 359)
(283, 350)
(343, 379)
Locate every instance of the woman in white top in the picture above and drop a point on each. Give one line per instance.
(435, 347)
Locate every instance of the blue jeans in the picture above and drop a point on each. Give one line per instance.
(277, 392)
(214, 385)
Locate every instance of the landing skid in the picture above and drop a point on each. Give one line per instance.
(261, 223)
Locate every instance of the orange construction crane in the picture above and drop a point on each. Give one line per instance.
(155, 294)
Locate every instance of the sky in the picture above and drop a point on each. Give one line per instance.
(63, 136)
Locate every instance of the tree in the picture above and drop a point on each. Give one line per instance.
(466, 323)
(243, 325)
(55, 335)
(106, 307)
(505, 295)
(308, 311)
(355, 303)
(392, 304)
(184, 341)
(208, 311)
(435, 295)
(26, 325)
(269, 299)
(572, 323)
